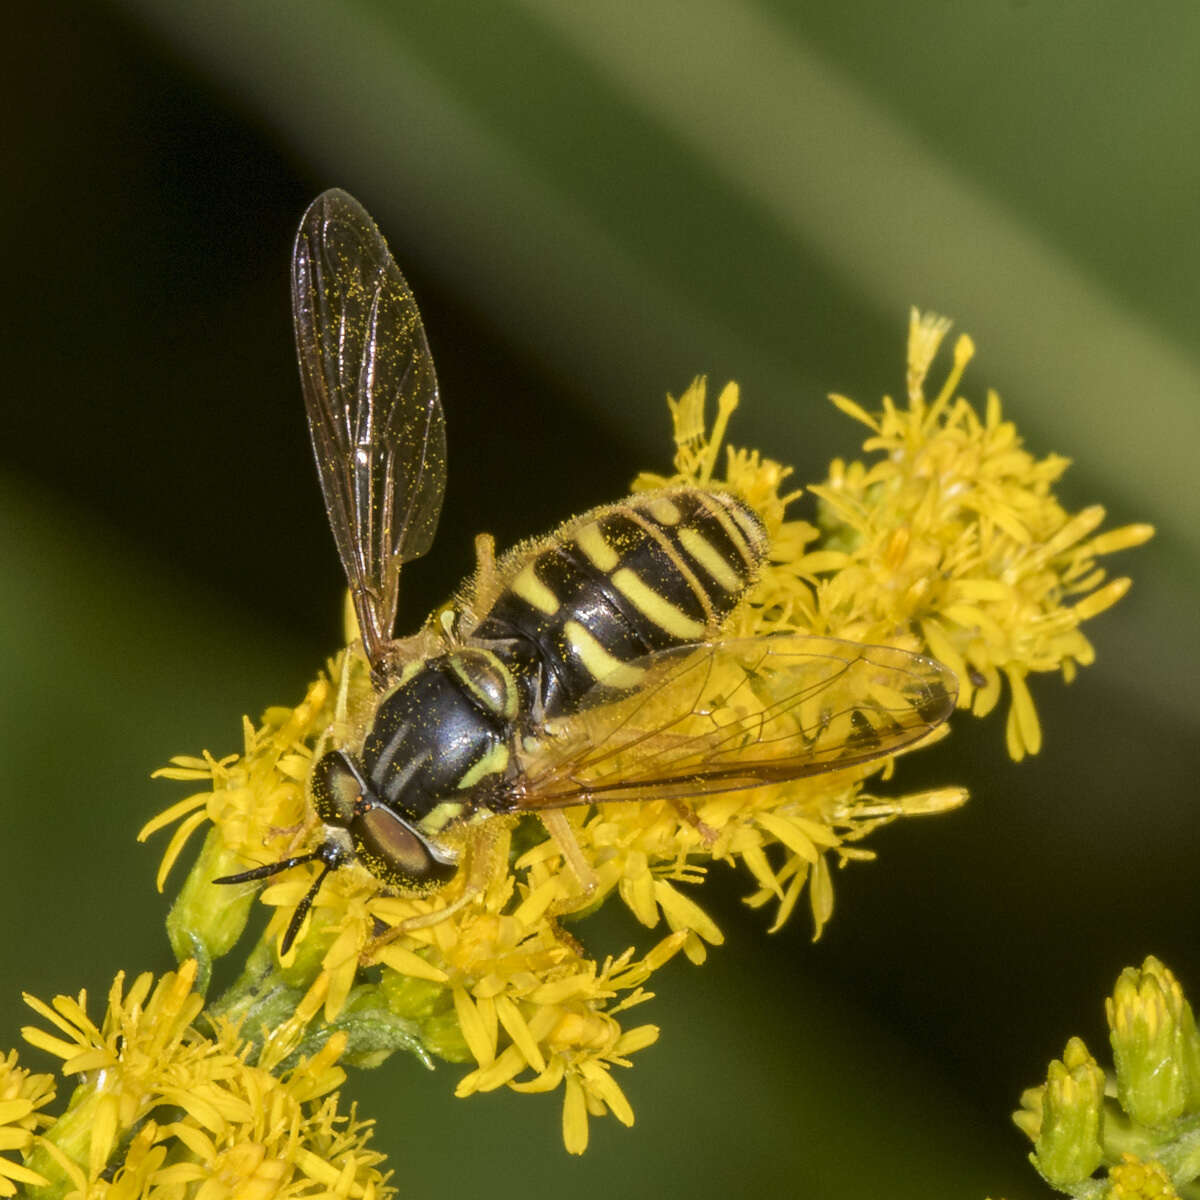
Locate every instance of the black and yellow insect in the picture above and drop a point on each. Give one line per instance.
(585, 667)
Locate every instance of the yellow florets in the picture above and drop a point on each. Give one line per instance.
(950, 543)
(955, 533)
(22, 1097)
(238, 1128)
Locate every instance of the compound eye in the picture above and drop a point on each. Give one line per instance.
(336, 789)
(392, 850)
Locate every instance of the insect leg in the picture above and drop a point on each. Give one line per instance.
(470, 892)
(302, 909)
(333, 856)
(342, 706)
(560, 830)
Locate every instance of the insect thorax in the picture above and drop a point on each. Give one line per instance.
(438, 747)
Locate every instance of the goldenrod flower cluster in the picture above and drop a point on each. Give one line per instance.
(1138, 1122)
(948, 542)
(236, 1127)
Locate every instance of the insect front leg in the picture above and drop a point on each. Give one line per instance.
(559, 828)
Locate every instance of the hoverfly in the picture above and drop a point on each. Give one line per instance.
(584, 667)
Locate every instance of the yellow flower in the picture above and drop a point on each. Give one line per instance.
(531, 987)
(950, 544)
(1137, 1179)
(955, 534)
(255, 794)
(240, 1129)
(22, 1097)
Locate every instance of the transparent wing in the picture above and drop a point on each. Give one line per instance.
(738, 714)
(373, 410)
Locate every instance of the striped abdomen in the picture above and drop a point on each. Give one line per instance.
(658, 570)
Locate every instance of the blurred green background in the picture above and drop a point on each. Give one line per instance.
(593, 203)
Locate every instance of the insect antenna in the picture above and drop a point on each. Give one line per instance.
(270, 869)
(302, 910)
(328, 853)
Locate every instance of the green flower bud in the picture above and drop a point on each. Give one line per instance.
(1153, 1038)
(1067, 1147)
(442, 1036)
(416, 999)
(207, 919)
(431, 1006)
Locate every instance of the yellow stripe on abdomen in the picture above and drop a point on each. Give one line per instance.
(656, 608)
(598, 662)
(711, 559)
(533, 591)
(663, 509)
(595, 547)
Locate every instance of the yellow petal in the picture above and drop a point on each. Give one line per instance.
(820, 896)
(604, 1087)
(474, 1029)
(790, 897)
(665, 950)
(171, 815)
(45, 1041)
(633, 1040)
(15, 1109)
(760, 867)
(12, 1170)
(574, 1117)
(682, 912)
(507, 1066)
(1098, 601)
(944, 650)
(547, 1081)
(534, 906)
(413, 965)
(103, 1134)
(1124, 538)
(1077, 528)
(854, 411)
(175, 846)
(557, 991)
(637, 889)
(514, 1025)
(936, 800)
(1023, 713)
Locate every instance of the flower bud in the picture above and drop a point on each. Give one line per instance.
(1153, 1036)
(1067, 1146)
(206, 919)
